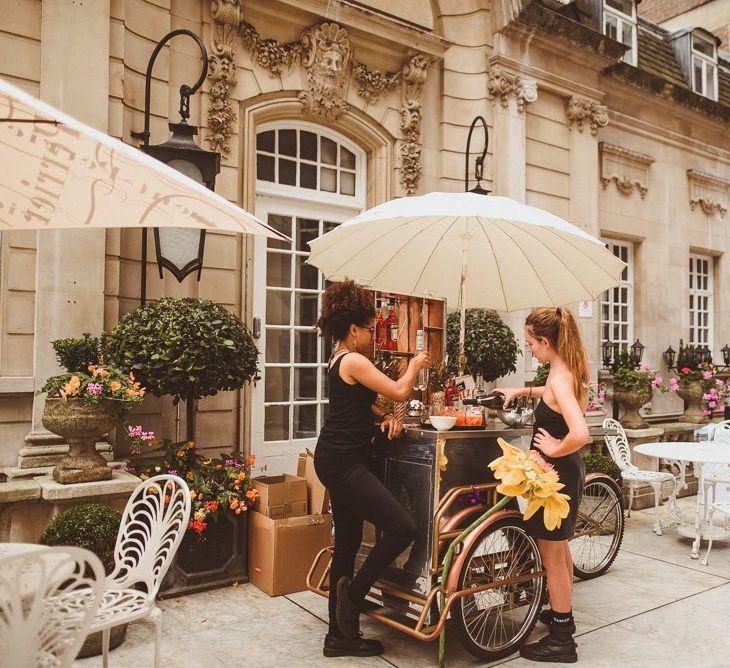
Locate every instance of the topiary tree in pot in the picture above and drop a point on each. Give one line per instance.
(489, 344)
(187, 348)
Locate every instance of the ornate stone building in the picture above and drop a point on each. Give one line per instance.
(320, 109)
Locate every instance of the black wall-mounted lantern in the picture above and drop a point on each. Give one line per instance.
(725, 350)
(607, 348)
(669, 356)
(178, 249)
(637, 350)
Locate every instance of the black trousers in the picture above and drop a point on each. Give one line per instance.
(357, 495)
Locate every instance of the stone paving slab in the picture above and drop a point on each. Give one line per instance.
(654, 608)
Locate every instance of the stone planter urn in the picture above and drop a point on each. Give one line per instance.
(692, 391)
(631, 401)
(81, 425)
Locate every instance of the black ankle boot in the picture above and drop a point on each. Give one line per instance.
(347, 613)
(551, 648)
(546, 617)
(337, 646)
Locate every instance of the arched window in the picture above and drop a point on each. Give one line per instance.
(308, 180)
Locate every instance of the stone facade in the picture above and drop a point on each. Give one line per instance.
(570, 131)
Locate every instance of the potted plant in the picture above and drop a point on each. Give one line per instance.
(94, 527)
(392, 367)
(188, 348)
(438, 376)
(213, 552)
(632, 388)
(489, 344)
(83, 404)
(697, 385)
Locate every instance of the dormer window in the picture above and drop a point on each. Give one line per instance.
(619, 23)
(704, 66)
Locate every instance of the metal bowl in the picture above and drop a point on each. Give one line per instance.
(516, 416)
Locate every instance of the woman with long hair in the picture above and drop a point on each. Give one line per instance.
(560, 431)
(342, 457)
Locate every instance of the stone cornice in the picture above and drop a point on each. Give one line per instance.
(667, 90)
(707, 179)
(374, 24)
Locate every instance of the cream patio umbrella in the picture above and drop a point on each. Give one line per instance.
(471, 249)
(60, 173)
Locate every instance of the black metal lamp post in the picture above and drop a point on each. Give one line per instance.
(637, 350)
(178, 249)
(669, 356)
(479, 168)
(607, 353)
(725, 350)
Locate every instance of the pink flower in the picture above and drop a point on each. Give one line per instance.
(707, 375)
(94, 388)
(135, 431)
(712, 404)
(707, 412)
(685, 370)
(719, 383)
(673, 384)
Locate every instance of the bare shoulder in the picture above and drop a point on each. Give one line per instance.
(353, 361)
(561, 381)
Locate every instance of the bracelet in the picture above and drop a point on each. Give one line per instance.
(385, 415)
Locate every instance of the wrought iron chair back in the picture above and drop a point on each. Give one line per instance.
(617, 444)
(48, 599)
(152, 527)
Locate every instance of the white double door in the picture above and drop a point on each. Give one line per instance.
(289, 402)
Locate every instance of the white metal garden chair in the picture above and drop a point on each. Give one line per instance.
(48, 599)
(153, 524)
(618, 447)
(715, 475)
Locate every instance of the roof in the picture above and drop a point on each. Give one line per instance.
(656, 55)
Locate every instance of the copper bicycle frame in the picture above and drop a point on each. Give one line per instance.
(445, 533)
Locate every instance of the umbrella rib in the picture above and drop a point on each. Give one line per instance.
(395, 254)
(537, 273)
(495, 256)
(433, 251)
(552, 231)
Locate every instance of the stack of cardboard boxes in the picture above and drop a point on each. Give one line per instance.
(290, 525)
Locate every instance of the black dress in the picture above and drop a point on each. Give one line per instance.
(571, 471)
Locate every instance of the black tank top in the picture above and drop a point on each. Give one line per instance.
(349, 424)
(550, 420)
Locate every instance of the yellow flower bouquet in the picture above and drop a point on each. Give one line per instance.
(520, 473)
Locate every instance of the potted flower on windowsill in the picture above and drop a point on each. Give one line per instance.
(83, 404)
(632, 388)
(213, 552)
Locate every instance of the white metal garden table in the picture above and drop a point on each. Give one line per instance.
(704, 452)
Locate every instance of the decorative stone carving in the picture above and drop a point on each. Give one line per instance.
(229, 12)
(269, 54)
(325, 54)
(707, 191)
(222, 72)
(413, 74)
(627, 169)
(503, 85)
(581, 110)
(371, 84)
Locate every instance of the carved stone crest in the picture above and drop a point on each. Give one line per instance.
(414, 77)
(627, 169)
(708, 191)
(326, 55)
(503, 85)
(581, 110)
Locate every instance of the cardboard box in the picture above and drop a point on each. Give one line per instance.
(318, 500)
(281, 552)
(281, 496)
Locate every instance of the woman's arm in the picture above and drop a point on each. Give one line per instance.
(511, 392)
(578, 434)
(356, 368)
(387, 421)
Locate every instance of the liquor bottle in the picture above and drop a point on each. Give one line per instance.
(493, 400)
(380, 332)
(391, 328)
(421, 382)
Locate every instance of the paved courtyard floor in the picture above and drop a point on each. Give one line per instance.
(654, 607)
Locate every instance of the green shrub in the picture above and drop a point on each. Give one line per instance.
(489, 345)
(541, 375)
(188, 348)
(91, 526)
(76, 355)
(597, 463)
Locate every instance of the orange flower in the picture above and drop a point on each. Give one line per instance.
(189, 475)
(252, 494)
(234, 504)
(71, 388)
(102, 372)
(115, 385)
(251, 460)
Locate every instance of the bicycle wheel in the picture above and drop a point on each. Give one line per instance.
(599, 530)
(494, 622)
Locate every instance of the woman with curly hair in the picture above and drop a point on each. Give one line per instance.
(559, 432)
(341, 461)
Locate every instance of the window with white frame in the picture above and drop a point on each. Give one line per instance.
(700, 300)
(619, 23)
(308, 180)
(704, 66)
(617, 304)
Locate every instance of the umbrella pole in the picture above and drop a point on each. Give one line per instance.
(461, 361)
